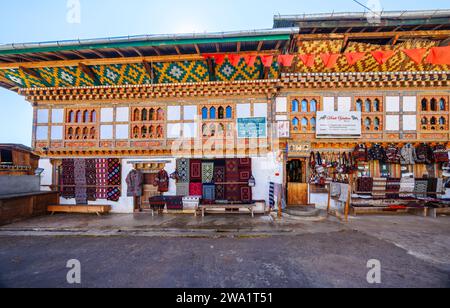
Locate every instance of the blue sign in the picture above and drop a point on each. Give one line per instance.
(252, 127)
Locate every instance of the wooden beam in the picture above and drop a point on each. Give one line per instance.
(78, 54)
(177, 49)
(211, 69)
(445, 43)
(344, 44)
(238, 47)
(119, 52)
(217, 48)
(106, 61)
(156, 50)
(138, 52)
(88, 71)
(260, 45)
(197, 49)
(97, 53)
(59, 56)
(7, 81)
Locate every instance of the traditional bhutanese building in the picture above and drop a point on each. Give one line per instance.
(217, 110)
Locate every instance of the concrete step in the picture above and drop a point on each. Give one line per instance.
(303, 211)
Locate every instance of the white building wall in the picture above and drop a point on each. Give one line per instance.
(46, 175)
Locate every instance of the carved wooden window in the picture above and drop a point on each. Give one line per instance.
(303, 114)
(217, 120)
(148, 123)
(433, 113)
(81, 124)
(372, 111)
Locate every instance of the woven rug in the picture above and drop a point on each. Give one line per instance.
(209, 192)
(245, 163)
(183, 170)
(232, 170)
(233, 193)
(195, 189)
(183, 189)
(114, 179)
(207, 172)
(102, 178)
(91, 179)
(219, 174)
(220, 192)
(364, 185)
(80, 181)
(195, 170)
(421, 188)
(393, 188)
(246, 194)
(68, 179)
(379, 188)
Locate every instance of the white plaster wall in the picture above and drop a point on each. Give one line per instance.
(46, 176)
(265, 170)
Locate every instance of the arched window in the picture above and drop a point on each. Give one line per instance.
(359, 104)
(152, 131)
(159, 131)
(86, 116)
(93, 116)
(442, 121)
(313, 124)
(92, 133)
(424, 104)
(376, 105)
(304, 105)
(221, 112)
(136, 115)
(220, 129)
(71, 118)
(144, 115)
(160, 114)
(144, 132)
(152, 116)
(70, 132)
(433, 121)
(304, 124)
(85, 133)
(204, 113)
(424, 121)
(433, 104)
(295, 122)
(212, 130)
(229, 112)
(212, 113)
(368, 105)
(313, 105)
(136, 132)
(77, 133)
(442, 104)
(205, 130)
(367, 123)
(295, 105)
(376, 124)
(79, 117)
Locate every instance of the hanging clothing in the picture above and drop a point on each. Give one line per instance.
(408, 155)
(424, 154)
(360, 153)
(377, 152)
(162, 181)
(393, 155)
(135, 180)
(440, 154)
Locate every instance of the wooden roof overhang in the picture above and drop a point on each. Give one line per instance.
(141, 92)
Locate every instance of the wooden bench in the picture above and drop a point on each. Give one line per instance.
(204, 208)
(80, 209)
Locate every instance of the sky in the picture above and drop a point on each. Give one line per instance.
(46, 20)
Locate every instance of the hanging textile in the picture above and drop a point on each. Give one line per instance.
(209, 192)
(220, 192)
(233, 193)
(439, 56)
(393, 188)
(330, 59)
(114, 179)
(232, 170)
(195, 189)
(382, 56)
(182, 189)
(364, 185)
(68, 179)
(440, 154)
(245, 169)
(183, 170)
(421, 188)
(353, 57)
(134, 180)
(80, 181)
(102, 178)
(207, 172)
(195, 170)
(407, 186)
(246, 194)
(416, 54)
(162, 181)
(267, 61)
(219, 174)
(379, 188)
(308, 59)
(272, 195)
(91, 179)
(424, 154)
(250, 60)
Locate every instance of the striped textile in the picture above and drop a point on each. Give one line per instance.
(379, 188)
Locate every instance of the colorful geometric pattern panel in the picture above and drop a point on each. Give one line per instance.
(122, 74)
(69, 76)
(399, 62)
(181, 72)
(22, 79)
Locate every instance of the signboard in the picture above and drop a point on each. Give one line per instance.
(252, 128)
(283, 129)
(338, 124)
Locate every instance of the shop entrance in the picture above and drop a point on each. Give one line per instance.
(297, 186)
(149, 172)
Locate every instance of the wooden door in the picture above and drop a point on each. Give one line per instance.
(297, 194)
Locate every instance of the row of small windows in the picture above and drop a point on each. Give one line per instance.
(304, 106)
(150, 131)
(304, 124)
(374, 125)
(434, 105)
(148, 115)
(79, 116)
(219, 113)
(368, 105)
(81, 134)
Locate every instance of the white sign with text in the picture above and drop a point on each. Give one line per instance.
(338, 124)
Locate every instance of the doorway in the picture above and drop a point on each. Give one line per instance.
(297, 186)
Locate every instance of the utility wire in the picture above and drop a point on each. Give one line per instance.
(366, 7)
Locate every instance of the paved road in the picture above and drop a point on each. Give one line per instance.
(336, 259)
